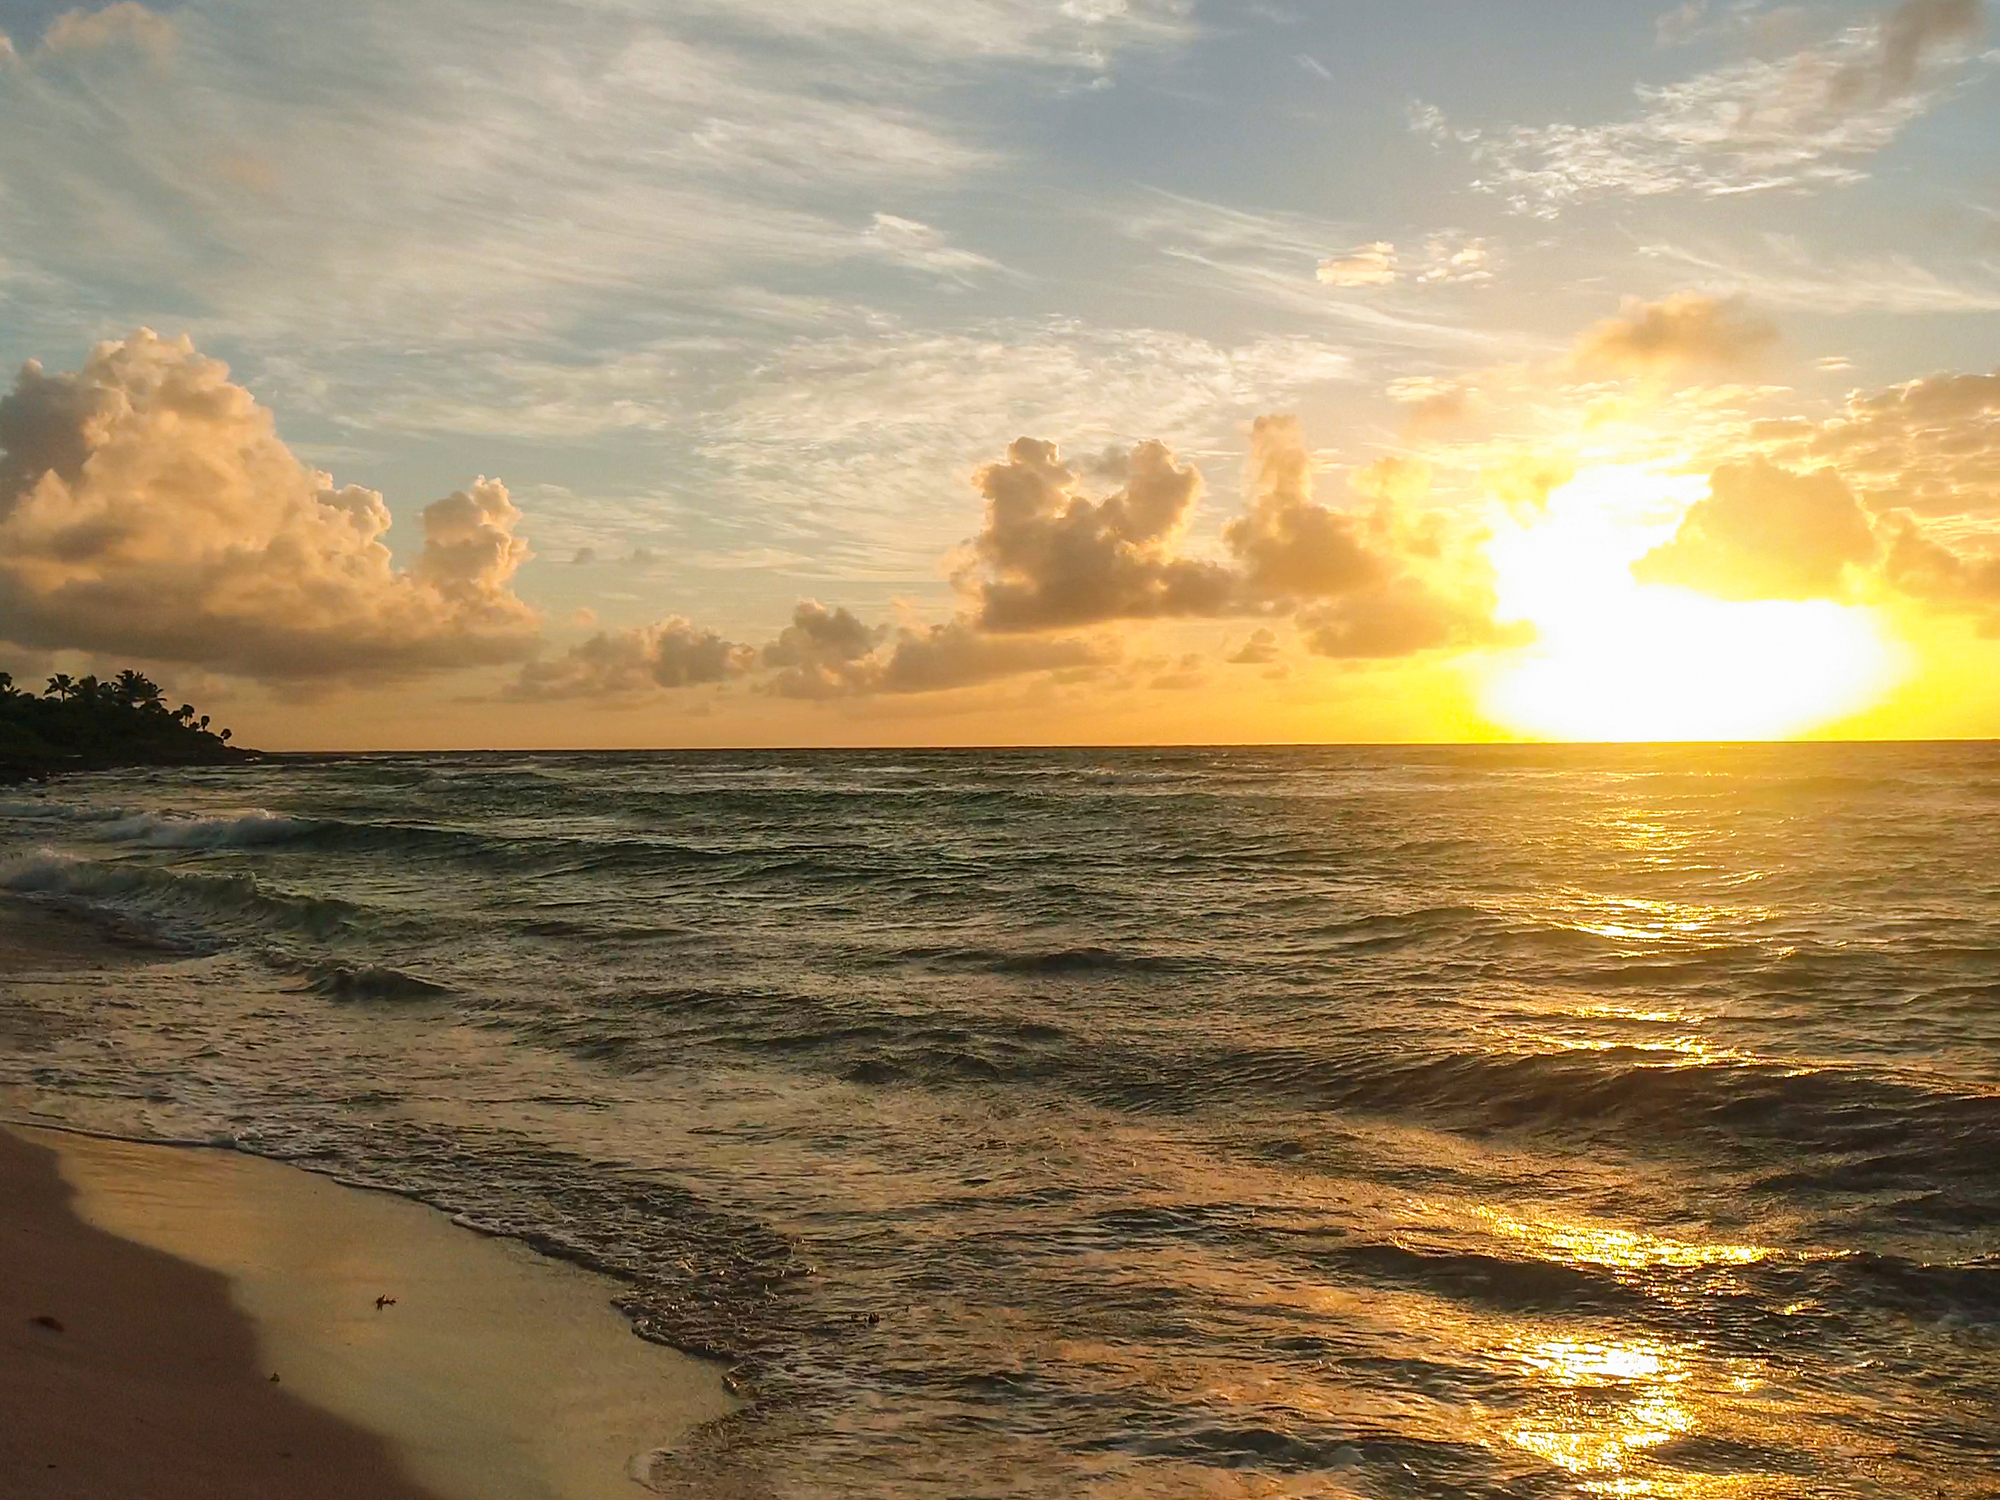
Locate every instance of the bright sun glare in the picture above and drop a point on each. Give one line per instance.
(1615, 659)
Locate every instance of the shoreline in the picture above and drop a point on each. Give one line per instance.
(497, 1373)
(183, 1279)
(145, 1367)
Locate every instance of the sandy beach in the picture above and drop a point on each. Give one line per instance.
(149, 1295)
(126, 1371)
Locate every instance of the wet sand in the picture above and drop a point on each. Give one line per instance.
(183, 1279)
(153, 1384)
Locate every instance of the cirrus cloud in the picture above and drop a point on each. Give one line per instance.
(1794, 122)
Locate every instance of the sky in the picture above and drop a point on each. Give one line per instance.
(552, 373)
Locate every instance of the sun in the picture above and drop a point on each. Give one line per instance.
(1615, 659)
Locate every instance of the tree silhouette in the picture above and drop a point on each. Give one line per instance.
(84, 724)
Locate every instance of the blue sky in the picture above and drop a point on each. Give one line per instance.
(736, 296)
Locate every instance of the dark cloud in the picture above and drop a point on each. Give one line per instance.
(1763, 532)
(149, 509)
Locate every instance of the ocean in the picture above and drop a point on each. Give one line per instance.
(1453, 1122)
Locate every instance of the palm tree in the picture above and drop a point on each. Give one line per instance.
(135, 690)
(62, 685)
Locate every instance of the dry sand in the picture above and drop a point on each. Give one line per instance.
(183, 1279)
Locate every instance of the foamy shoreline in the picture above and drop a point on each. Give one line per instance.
(184, 1279)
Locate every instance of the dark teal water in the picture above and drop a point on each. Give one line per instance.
(1483, 1122)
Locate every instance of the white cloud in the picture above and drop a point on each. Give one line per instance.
(1279, 260)
(907, 242)
(1444, 258)
(476, 172)
(1369, 265)
(1075, 33)
(1803, 120)
(874, 435)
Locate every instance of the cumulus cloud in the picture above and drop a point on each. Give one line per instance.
(1766, 533)
(1685, 332)
(1291, 547)
(1050, 558)
(1053, 557)
(816, 654)
(672, 653)
(1797, 121)
(1528, 478)
(1931, 446)
(148, 508)
(1924, 568)
(125, 24)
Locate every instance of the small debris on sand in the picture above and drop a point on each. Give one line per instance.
(382, 1302)
(54, 1325)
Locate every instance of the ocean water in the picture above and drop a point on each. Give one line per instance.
(1328, 1122)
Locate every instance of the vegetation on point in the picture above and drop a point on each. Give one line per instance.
(81, 724)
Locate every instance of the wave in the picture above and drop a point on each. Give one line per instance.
(1840, 1128)
(168, 831)
(1079, 960)
(207, 902)
(359, 982)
